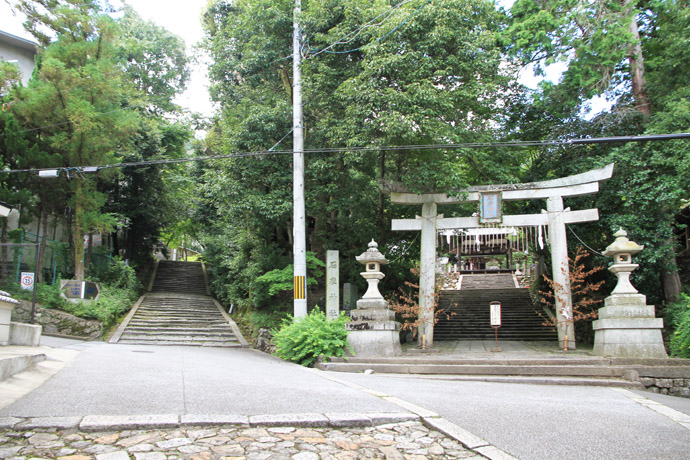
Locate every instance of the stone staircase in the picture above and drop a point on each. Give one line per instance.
(182, 277)
(178, 311)
(497, 281)
(467, 316)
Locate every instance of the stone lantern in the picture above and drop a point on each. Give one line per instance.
(627, 326)
(622, 250)
(7, 304)
(372, 329)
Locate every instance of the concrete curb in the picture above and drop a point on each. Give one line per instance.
(97, 423)
(432, 420)
(121, 329)
(233, 325)
(11, 365)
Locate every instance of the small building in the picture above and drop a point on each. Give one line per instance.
(19, 51)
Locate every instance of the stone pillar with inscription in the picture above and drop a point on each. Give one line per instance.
(373, 330)
(332, 284)
(627, 326)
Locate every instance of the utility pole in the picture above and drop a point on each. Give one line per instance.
(299, 245)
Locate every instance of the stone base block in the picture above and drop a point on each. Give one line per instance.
(372, 315)
(372, 326)
(27, 335)
(368, 304)
(628, 343)
(374, 343)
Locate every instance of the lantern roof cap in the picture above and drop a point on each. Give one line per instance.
(622, 245)
(372, 255)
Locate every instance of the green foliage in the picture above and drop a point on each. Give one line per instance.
(117, 275)
(281, 280)
(678, 314)
(303, 340)
(112, 303)
(47, 295)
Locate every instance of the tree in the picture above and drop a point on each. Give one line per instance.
(78, 105)
(629, 52)
(430, 72)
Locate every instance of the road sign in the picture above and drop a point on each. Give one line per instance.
(27, 280)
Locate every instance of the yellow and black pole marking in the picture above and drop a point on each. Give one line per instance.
(300, 291)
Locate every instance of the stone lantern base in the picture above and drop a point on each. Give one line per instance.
(372, 330)
(627, 328)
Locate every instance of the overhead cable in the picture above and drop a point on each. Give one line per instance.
(390, 148)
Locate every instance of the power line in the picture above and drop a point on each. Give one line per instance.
(352, 35)
(391, 148)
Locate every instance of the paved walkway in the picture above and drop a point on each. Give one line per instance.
(252, 406)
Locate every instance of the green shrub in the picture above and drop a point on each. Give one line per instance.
(116, 274)
(678, 313)
(112, 303)
(47, 295)
(303, 340)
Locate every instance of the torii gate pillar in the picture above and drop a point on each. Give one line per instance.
(555, 216)
(560, 272)
(427, 277)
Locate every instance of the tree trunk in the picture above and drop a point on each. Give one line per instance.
(116, 243)
(42, 247)
(382, 173)
(636, 60)
(3, 257)
(78, 233)
(89, 253)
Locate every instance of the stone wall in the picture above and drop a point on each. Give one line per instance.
(665, 386)
(58, 322)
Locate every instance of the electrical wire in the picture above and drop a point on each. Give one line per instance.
(584, 244)
(355, 33)
(392, 148)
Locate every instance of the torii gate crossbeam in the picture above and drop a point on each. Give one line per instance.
(555, 216)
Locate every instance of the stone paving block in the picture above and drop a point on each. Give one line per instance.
(150, 456)
(61, 423)
(494, 453)
(451, 429)
(118, 455)
(348, 420)
(92, 423)
(7, 423)
(384, 418)
(213, 420)
(301, 420)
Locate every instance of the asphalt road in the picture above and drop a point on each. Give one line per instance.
(109, 379)
(530, 422)
(538, 422)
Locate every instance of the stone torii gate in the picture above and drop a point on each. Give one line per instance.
(489, 198)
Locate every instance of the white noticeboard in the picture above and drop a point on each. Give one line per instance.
(495, 314)
(27, 281)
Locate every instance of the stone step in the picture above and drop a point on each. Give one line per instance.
(177, 342)
(181, 336)
(466, 316)
(479, 369)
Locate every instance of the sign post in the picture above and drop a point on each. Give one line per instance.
(495, 308)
